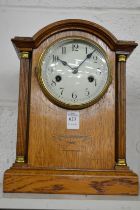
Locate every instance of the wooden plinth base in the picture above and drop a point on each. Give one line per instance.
(116, 182)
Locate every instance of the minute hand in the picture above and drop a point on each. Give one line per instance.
(87, 57)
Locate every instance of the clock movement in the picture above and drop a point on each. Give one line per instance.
(71, 132)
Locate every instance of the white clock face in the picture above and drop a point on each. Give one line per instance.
(74, 72)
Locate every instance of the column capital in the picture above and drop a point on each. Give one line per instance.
(122, 58)
(24, 54)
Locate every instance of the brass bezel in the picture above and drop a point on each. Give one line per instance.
(67, 105)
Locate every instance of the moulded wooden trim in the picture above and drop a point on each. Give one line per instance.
(22, 43)
(71, 182)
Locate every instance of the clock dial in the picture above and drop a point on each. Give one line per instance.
(74, 72)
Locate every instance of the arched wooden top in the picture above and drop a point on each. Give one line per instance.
(29, 43)
(74, 24)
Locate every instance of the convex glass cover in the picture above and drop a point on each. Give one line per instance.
(74, 72)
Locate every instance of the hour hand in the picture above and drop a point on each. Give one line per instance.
(65, 63)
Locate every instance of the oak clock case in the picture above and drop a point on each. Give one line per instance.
(72, 67)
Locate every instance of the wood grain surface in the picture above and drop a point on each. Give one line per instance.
(29, 43)
(51, 144)
(58, 160)
(71, 182)
(121, 110)
(23, 108)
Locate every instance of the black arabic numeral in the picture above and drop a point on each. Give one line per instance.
(75, 47)
(87, 93)
(99, 71)
(62, 90)
(50, 69)
(95, 58)
(63, 50)
(95, 82)
(86, 50)
(53, 83)
(74, 95)
(55, 58)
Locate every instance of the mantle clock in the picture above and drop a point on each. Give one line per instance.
(71, 133)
